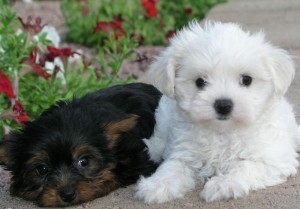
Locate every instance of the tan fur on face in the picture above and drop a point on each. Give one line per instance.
(30, 195)
(39, 157)
(99, 186)
(82, 149)
(50, 198)
(85, 190)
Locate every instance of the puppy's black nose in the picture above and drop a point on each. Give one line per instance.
(223, 106)
(67, 194)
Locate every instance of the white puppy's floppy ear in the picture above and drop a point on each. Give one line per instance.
(282, 70)
(162, 72)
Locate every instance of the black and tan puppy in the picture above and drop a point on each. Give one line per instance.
(82, 149)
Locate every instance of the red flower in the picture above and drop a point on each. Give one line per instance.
(67, 52)
(150, 7)
(170, 34)
(188, 10)
(35, 68)
(32, 57)
(5, 86)
(32, 28)
(113, 27)
(85, 10)
(55, 52)
(19, 113)
(39, 70)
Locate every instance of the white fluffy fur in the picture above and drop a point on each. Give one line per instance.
(253, 149)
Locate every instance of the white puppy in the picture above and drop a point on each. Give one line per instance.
(224, 121)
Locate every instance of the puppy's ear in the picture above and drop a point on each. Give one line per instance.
(115, 128)
(282, 70)
(4, 160)
(162, 72)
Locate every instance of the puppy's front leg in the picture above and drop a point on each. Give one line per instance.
(246, 175)
(171, 180)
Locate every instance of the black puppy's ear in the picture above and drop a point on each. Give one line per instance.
(115, 128)
(4, 159)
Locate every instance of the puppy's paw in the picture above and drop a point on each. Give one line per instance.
(152, 190)
(222, 188)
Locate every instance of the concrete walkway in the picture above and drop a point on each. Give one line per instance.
(280, 19)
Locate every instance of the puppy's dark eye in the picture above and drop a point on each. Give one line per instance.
(245, 80)
(83, 162)
(200, 83)
(42, 170)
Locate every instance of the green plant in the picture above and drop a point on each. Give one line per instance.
(151, 22)
(27, 87)
(113, 27)
(5, 2)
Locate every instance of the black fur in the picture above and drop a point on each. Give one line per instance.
(83, 121)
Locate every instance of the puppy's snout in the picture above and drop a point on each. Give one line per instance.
(67, 194)
(223, 106)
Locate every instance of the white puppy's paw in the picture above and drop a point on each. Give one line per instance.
(222, 188)
(151, 190)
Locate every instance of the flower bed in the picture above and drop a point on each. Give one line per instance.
(36, 71)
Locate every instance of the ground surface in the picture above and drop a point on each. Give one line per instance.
(281, 21)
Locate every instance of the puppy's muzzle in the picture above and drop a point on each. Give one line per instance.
(223, 107)
(67, 194)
